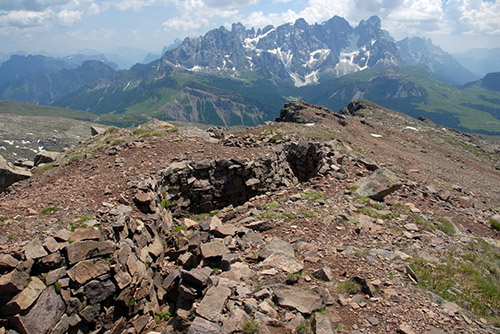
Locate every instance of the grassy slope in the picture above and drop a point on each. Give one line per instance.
(138, 104)
(25, 109)
(468, 109)
(443, 97)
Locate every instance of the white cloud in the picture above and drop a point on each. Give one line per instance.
(400, 17)
(23, 18)
(194, 15)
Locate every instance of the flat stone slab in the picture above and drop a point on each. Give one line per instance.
(212, 304)
(213, 248)
(34, 250)
(202, 326)
(43, 316)
(283, 262)
(296, 298)
(81, 234)
(379, 184)
(25, 298)
(82, 250)
(321, 324)
(276, 245)
(84, 271)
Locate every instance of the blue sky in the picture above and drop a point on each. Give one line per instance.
(61, 26)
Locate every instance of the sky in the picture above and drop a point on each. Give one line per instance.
(64, 26)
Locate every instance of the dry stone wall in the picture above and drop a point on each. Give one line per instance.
(207, 185)
(117, 274)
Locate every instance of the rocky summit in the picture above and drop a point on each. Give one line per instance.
(367, 221)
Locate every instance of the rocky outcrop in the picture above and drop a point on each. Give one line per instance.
(45, 157)
(302, 112)
(10, 174)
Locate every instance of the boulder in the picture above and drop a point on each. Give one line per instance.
(45, 157)
(198, 277)
(10, 174)
(213, 248)
(283, 262)
(97, 130)
(379, 184)
(296, 298)
(321, 324)
(7, 262)
(276, 245)
(212, 304)
(82, 250)
(34, 250)
(81, 234)
(13, 282)
(25, 298)
(202, 326)
(324, 274)
(97, 291)
(43, 316)
(84, 271)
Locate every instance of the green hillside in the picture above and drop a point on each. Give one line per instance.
(416, 93)
(25, 109)
(135, 97)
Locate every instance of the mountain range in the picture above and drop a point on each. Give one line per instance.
(304, 54)
(243, 76)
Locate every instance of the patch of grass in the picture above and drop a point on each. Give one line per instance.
(146, 133)
(98, 148)
(162, 316)
(79, 223)
(353, 188)
(362, 199)
(400, 207)
(294, 278)
(368, 201)
(369, 211)
(424, 223)
(314, 196)
(348, 286)
(111, 129)
(205, 215)
(117, 142)
(471, 278)
(58, 286)
(446, 226)
(271, 206)
(39, 170)
(165, 203)
(3, 218)
(495, 224)
(277, 215)
(304, 328)
(73, 158)
(179, 228)
(308, 214)
(50, 209)
(12, 237)
(215, 270)
(362, 253)
(250, 326)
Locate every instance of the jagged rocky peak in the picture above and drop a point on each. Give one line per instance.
(303, 112)
(301, 54)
